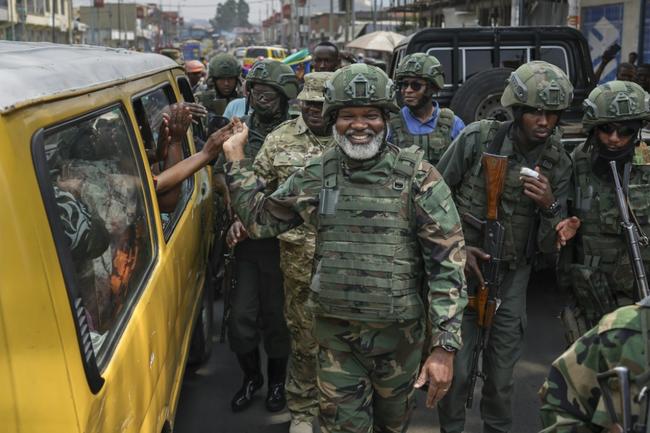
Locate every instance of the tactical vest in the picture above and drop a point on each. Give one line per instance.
(255, 139)
(517, 212)
(434, 143)
(368, 260)
(603, 265)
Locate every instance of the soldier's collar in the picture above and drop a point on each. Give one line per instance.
(301, 126)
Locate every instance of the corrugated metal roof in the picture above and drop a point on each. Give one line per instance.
(32, 71)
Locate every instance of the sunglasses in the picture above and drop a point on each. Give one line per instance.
(415, 85)
(621, 130)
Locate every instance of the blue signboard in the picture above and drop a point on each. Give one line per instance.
(603, 26)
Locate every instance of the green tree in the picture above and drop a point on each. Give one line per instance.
(227, 16)
(242, 13)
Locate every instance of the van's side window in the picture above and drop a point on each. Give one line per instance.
(101, 207)
(149, 109)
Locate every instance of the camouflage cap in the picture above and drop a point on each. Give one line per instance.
(314, 88)
(538, 85)
(275, 74)
(359, 85)
(421, 65)
(615, 101)
(224, 65)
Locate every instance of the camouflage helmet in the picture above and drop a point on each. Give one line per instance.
(357, 85)
(275, 74)
(616, 101)
(314, 88)
(421, 65)
(539, 85)
(224, 65)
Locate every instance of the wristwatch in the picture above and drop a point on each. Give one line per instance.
(552, 210)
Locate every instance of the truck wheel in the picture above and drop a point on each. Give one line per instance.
(480, 97)
(201, 344)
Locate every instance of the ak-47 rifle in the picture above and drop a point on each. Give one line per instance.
(486, 300)
(632, 237)
(227, 286)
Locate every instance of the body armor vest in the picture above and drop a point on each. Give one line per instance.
(517, 213)
(368, 260)
(603, 265)
(434, 143)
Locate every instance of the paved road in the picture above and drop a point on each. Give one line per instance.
(205, 397)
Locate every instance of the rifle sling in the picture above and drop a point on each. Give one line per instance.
(497, 141)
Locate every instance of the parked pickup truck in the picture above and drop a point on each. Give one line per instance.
(477, 61)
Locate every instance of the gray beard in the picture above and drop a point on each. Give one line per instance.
(359, 152)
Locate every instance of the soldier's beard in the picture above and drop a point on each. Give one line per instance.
(359, 152)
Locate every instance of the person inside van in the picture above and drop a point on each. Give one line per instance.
(169, 166)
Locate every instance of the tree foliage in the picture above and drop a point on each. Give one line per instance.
(231, 14)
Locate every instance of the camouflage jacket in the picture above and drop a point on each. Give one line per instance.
(437, 224)
(572, 400)
(461, 168)
(284, 151)
(599, 266)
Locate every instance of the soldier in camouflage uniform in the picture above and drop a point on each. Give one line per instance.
(598, 265)
(385, 226)
(529, 210)
(572, 400)
(224, 71)
(258, 298)
(421, 121)
(285, 150)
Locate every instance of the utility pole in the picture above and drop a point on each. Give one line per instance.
(640, 49)
(330, 21)
(53, 21)
(11, 6)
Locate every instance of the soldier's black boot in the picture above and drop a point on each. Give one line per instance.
(253, 380)
(277, 372)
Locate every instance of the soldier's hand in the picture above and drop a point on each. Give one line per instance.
(472, 264)
(539, 190)
(566, 230)
(197, 111)
(438, 370)
(236, 233)
(233, 148)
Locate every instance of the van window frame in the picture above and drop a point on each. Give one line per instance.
(168, 89)
(93, 366)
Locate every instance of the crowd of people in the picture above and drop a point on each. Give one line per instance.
(358, 227)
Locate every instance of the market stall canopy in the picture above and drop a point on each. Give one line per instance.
(377, 41)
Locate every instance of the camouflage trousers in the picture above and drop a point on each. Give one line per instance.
(301, 391)
(504, 348)
(366, 372)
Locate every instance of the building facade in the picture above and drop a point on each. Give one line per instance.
(36, 20)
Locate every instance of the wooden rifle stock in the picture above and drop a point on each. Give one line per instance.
(495, 167)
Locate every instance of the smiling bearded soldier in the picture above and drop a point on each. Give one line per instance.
(387, 232)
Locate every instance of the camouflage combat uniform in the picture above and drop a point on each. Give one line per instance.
(435, 143)
(527, 230)
(384, 225)
(572, 401)
(600, 272)
(285, 150)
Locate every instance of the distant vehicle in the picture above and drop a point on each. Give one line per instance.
(239, 53)
(173, 53)
(254, 53)
(477, 61)
(191, 50)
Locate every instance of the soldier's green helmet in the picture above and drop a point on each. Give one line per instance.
(359, 85)
(224, 65)
(421, 65)
(275, 74)
(615, 101)
(539, 85)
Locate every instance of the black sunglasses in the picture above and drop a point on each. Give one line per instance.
(415, 85)
(621, 130)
